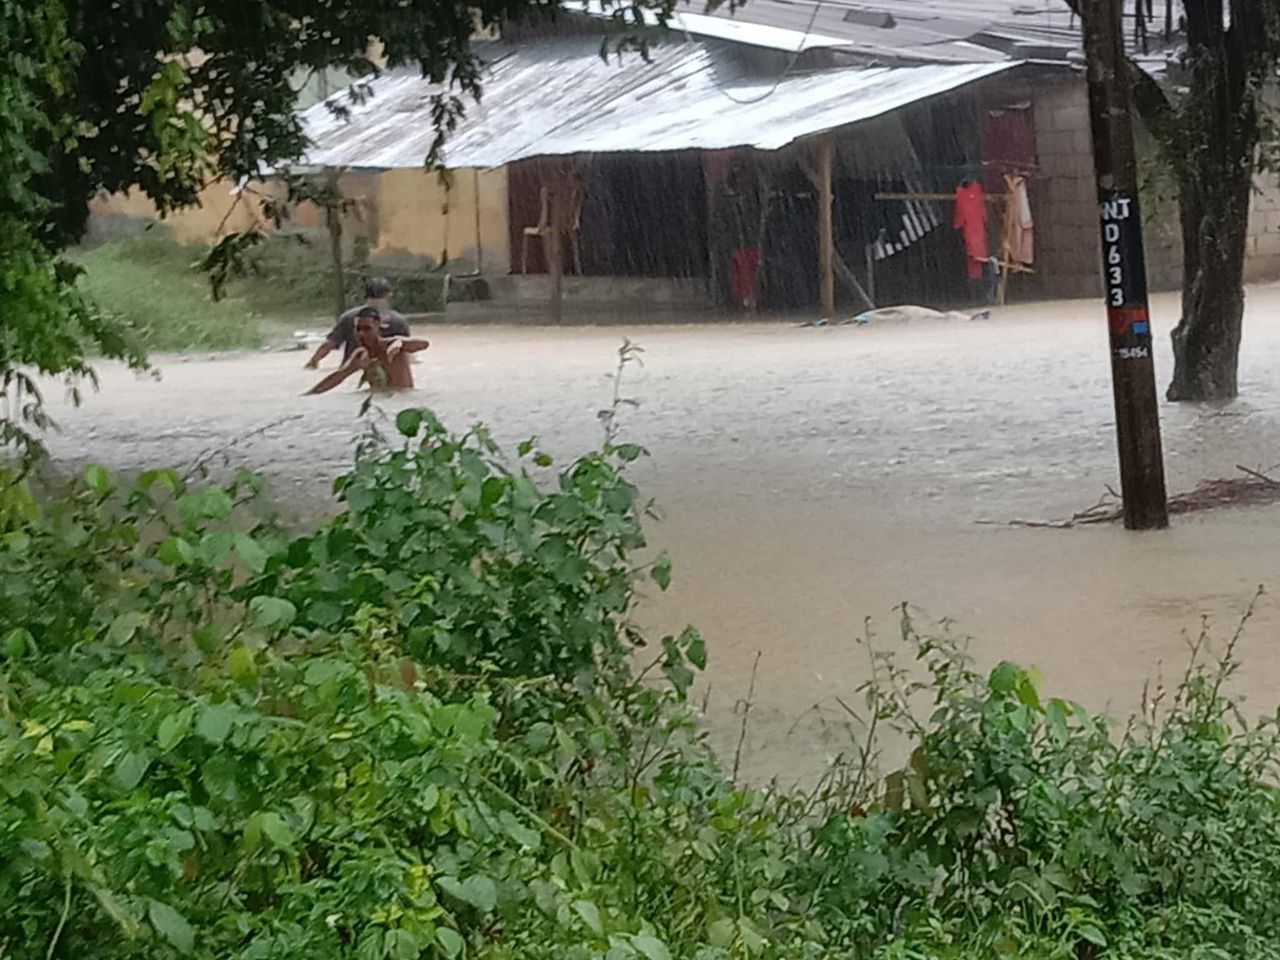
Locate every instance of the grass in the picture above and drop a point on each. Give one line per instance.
(152, 285)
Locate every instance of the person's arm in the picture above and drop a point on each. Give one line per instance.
(336, 338)
(407, 345)
(359, 361)
(322, 351)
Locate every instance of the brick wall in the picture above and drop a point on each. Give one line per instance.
(1063, 196)
(1163, 232)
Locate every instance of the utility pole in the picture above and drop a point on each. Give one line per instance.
(1124, 269)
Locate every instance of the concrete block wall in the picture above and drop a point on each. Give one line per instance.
(1063, 197)
(1262, 257)
(1064, 202)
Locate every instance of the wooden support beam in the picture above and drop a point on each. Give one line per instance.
(553, 246)
(850, 279)
(826, 230)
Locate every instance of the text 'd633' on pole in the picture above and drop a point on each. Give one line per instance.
(1125, 269)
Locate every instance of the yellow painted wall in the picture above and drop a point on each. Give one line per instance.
(416, 213)
(400, 211)
(194, 225)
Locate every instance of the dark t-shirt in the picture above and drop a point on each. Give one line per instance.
(343, 333)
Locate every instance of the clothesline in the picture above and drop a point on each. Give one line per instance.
(1008, 262)
(993, 198)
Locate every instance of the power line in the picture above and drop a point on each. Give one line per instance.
(795, 57)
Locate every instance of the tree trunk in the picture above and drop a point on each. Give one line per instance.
(1215, 230)
(1220, 125)
(333, 221)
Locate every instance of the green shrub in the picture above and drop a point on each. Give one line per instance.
(291, 276)
(430, 729)
(213, 742)
(1025, 827)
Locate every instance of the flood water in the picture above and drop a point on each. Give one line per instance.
(812, 478)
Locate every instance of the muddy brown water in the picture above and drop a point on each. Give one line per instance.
(812, 478)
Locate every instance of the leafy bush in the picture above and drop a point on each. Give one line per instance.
(213, 739)
(429, 729)
(1024, 827)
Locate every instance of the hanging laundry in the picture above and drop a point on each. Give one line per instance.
(1022, 243)
(971, 221)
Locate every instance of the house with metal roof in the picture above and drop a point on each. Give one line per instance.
(786, 154)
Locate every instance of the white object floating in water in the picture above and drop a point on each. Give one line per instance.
(907, 314)
(306, 338)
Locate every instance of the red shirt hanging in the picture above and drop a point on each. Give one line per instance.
(971, 221)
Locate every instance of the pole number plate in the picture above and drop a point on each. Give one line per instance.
(1125, 272)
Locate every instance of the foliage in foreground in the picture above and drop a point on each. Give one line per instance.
(429, 729)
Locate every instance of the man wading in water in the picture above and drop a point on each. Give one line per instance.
(384, 361)
(377, 295)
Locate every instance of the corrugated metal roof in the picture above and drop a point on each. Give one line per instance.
(926, 31)
(559, 97)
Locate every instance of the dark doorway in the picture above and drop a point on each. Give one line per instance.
(643, 215)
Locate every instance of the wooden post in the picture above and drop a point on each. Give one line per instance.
(826, 232)
(553, 246)
(871, 272)
(475, 202)
(1124, 266)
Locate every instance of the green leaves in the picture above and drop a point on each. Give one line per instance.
(269, 829)
(175, 551)
(16, 643)
(254, 557)
(443, 532)
(661, 571)
(409, 421)
(172, 926)
(272, 613)
(416, 732)
(450, 941)
(241, 666)
(590, 915)
(125, 627)
(214, 722)
(477, 891)
(130, 768)
(174, 729)
(651, 948)
(97, 479)
(208, 503)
